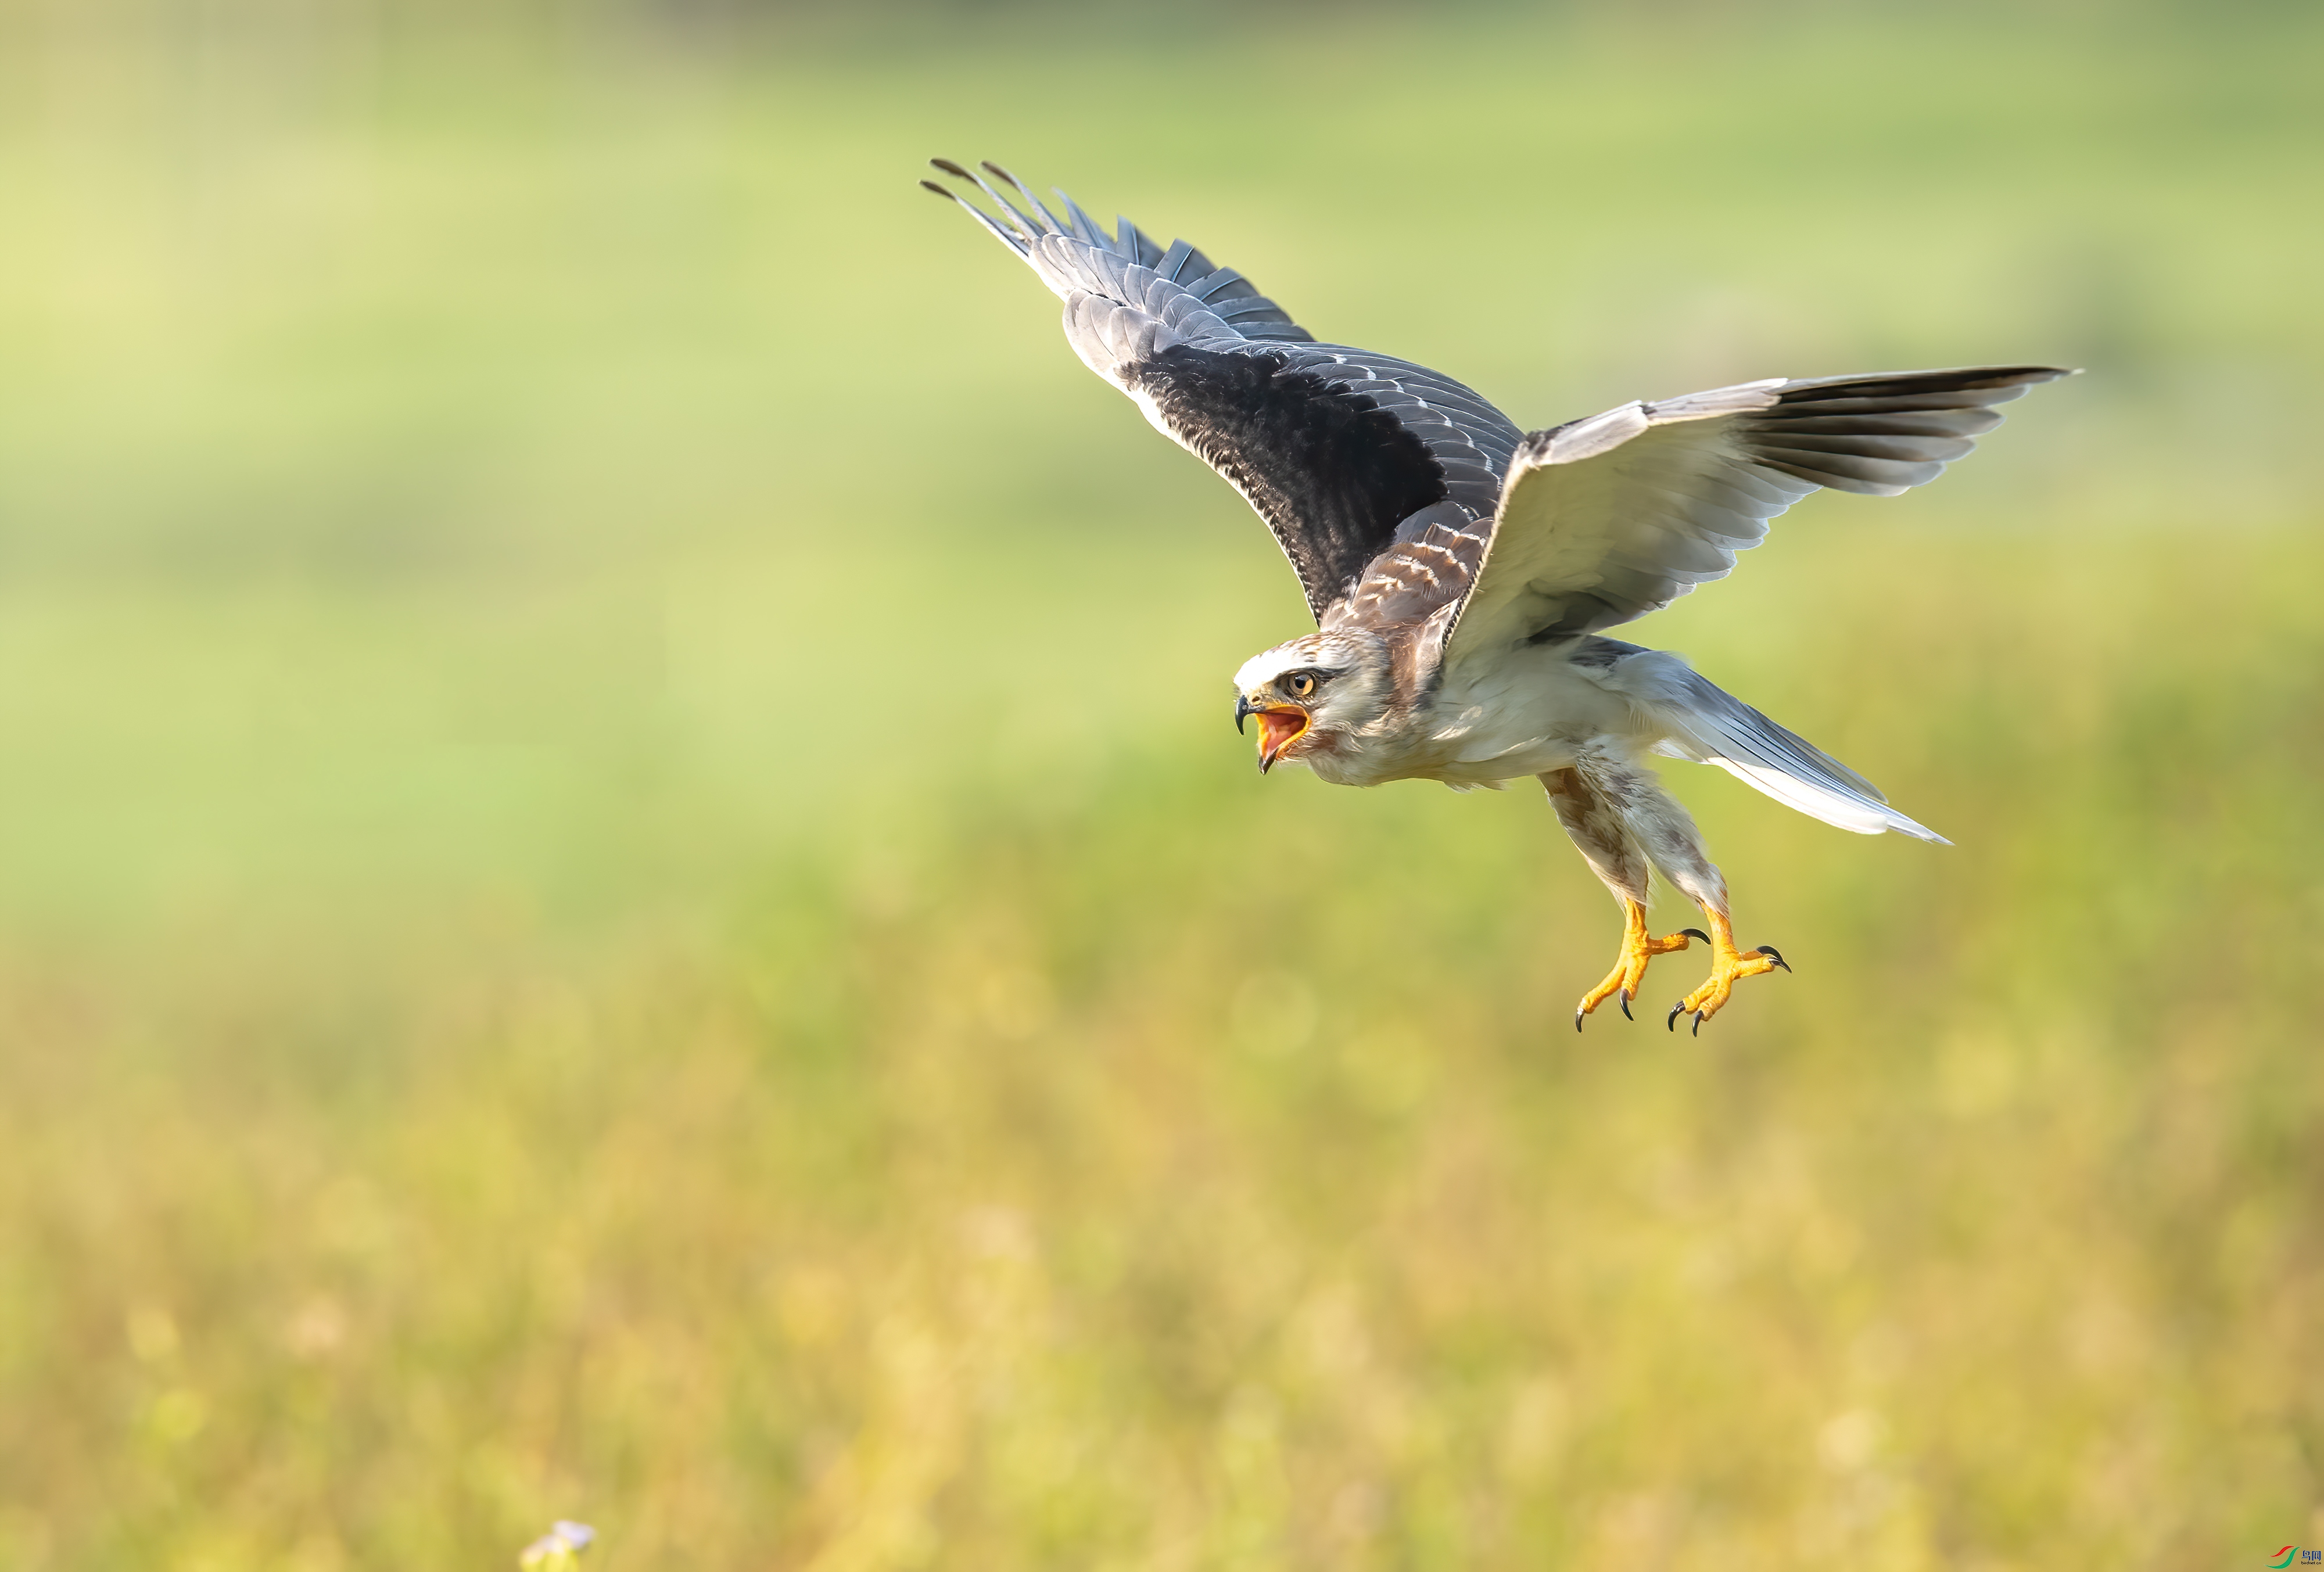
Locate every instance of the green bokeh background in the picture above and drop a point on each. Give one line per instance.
(625, 893)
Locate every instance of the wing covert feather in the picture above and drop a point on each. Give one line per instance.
(1610, 518)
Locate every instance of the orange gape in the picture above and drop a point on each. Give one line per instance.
(1279, 726)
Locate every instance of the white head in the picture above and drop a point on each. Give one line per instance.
(1314, 695)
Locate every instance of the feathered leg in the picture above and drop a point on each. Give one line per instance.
(1614, 855)
(1653, 826)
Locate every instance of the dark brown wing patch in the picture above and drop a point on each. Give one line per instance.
(1331, 471)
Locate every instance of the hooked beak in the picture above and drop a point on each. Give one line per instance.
(1279, 726)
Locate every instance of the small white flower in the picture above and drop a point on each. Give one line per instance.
(560, 1549)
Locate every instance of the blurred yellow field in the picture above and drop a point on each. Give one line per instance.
(627, 893)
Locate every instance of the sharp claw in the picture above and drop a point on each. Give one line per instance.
(1624, 996)
(1670, 1023)
(1697, 1024)
(1696, 934)
(1577, 1020)
(1772, 953)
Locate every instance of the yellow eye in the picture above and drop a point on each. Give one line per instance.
(1301, 684)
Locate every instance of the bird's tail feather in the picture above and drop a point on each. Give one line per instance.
(1717, 728)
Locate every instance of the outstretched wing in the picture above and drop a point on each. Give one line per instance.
(1608, 519)
(1345, 455)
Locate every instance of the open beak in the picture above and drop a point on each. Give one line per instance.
(1279, 726)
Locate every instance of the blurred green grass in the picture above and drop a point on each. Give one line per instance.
(624, 892)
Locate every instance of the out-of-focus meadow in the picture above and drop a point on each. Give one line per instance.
(626, 892)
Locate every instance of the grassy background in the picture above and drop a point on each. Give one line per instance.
(624, 890)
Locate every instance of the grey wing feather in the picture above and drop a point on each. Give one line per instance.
(1378, 477)
(1128, 270)
(1604, 519)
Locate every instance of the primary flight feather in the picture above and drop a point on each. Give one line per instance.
(1461, 571)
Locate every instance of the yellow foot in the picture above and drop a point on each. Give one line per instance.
(1729, 966)
(1630, 971)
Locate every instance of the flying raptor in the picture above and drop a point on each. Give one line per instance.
(1462, 571)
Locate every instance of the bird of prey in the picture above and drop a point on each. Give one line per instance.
(1462, 572)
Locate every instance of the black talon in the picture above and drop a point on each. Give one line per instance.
(1624, 996)
(1697, 1024)
(1670, 1023)
(1772, 953)
(1696, 934)
(1577, 1020)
